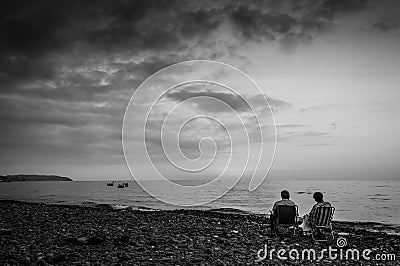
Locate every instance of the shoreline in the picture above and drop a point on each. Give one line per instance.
(218, 210)
(54, 234)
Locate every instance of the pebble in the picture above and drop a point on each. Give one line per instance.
(124, 257)
(5, 232)
(95, 240)
(82, 240)
(60, 258)
(153, 243)
(124, 238)
(72, 235)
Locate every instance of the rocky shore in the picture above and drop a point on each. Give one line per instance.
(39, 234)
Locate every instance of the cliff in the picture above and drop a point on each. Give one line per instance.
(20, 178)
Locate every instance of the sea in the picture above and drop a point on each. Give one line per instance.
(358, 201)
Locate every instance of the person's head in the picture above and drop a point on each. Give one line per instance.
(318, 197)
(285, 194)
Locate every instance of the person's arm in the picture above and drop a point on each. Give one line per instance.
(274, 208)
(312, 214)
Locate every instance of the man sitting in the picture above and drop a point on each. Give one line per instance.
(319, 199)
(284, 201)
(311, 218)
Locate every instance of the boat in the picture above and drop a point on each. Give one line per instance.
(110, 184)
(121, 185)
(126, 184)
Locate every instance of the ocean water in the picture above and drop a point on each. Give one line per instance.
(372, 201)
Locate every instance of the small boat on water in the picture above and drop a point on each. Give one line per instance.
(123, 185)
(110, 184)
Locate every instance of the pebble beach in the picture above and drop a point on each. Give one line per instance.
(44, 234)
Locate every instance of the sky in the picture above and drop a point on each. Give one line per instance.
(330, 70)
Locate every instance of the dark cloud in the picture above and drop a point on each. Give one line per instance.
(290, 22)
(36, 28)
(68, 68)
(32, 33)
(240, 103)
(387, 24)
(233, 100)
(331, 8)
(32, 29)
(28, 125)
(256, 24)
(18, 68)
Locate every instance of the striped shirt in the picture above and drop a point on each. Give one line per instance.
(313, 212)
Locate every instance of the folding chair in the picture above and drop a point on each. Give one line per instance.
(286, 217)
(324, 215)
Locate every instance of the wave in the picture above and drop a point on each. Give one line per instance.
(229, 211)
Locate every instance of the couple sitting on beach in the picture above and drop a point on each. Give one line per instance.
(307, 220)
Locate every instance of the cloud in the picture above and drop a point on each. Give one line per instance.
(290, 126)
(291, 135)
(290, 22)
(255, 24)
(68, 68)
(387, 24)
(328, 9)
(33, 30)
(189, 138)
(38, 36)
(315, 145)
(236, 102)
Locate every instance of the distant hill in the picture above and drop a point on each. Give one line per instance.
(22, 178)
